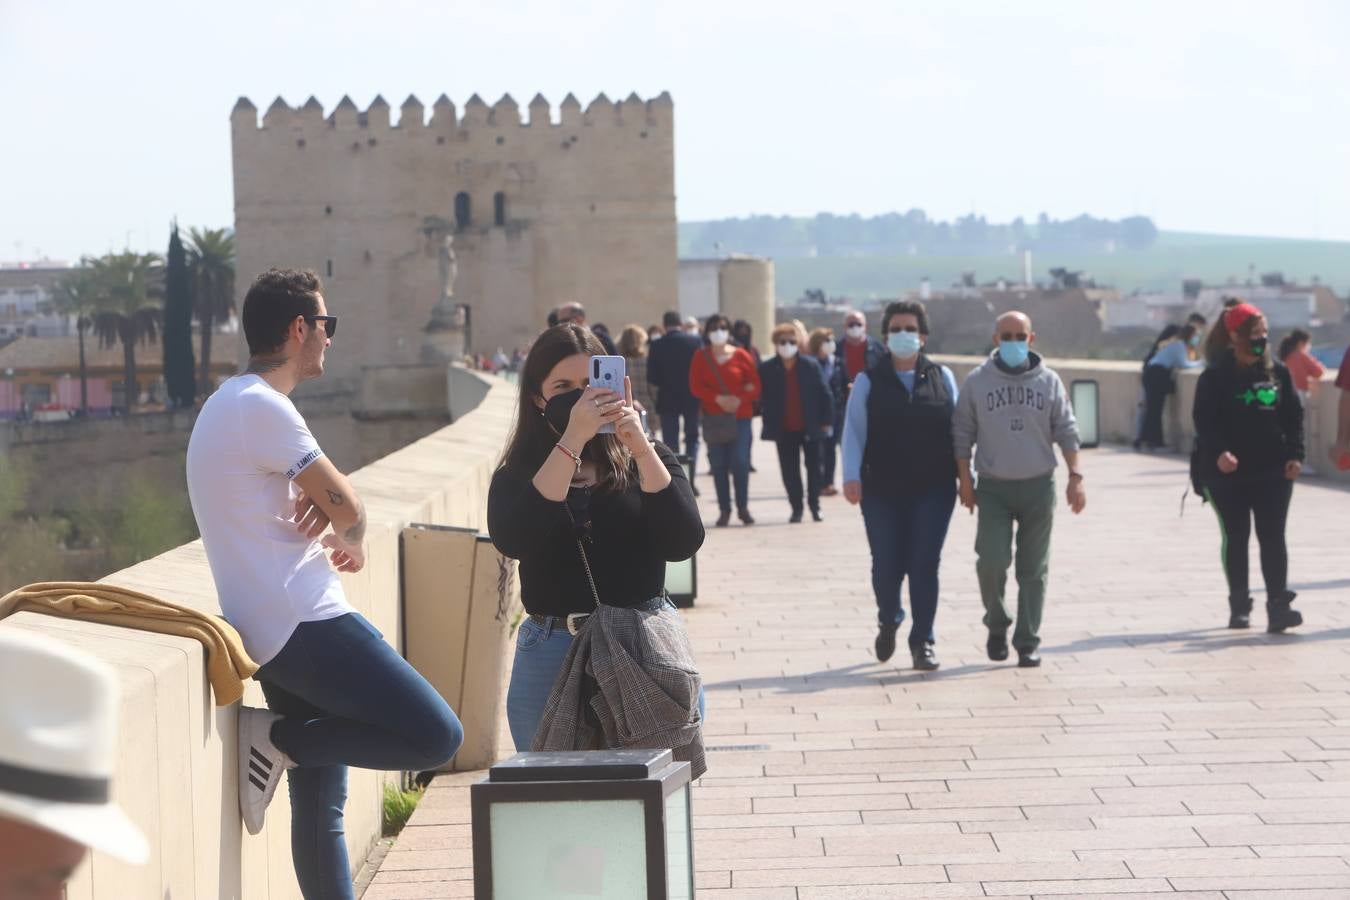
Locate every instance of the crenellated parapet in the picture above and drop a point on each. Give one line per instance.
(632, 112)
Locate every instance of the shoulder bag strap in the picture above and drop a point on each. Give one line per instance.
(717, 370)
(585, 560)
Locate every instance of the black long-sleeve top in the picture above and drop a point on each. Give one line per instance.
(1249, 411)
(633, 534)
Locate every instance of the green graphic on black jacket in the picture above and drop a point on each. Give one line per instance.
(1264, 394)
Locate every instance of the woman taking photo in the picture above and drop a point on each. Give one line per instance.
(1249, 452)
(562, 487)
(798, 413)
(900, 464)
(725, 380)
(1168, 355)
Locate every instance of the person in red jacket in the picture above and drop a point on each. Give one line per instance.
(725, 379)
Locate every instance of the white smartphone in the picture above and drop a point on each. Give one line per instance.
(608, 372)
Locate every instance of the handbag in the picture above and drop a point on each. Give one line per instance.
(719, 428)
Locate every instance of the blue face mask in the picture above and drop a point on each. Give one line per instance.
(904, 344)
(1014, 353)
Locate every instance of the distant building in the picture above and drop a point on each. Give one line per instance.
(738, 287)
(1286, 305)
(26, 300)
(43, 373)
(1147, 310)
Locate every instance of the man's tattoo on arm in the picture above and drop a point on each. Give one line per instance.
(334, 497)
(357, 533)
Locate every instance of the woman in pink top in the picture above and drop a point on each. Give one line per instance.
(1303, 366)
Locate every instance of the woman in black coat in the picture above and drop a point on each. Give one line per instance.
(798, 413)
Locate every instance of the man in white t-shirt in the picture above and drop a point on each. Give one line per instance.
(263, 493)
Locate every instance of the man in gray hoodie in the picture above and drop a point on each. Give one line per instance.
(1013, 410)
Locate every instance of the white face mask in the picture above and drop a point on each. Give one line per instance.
(787, 351)
(856, 332)
(720, 336)
(828, 348)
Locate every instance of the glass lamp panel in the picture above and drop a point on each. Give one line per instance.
(1084, 396)
(596, 849)
(679, 852)
(680, 577)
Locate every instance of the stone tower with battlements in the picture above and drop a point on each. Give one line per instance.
(543, 211)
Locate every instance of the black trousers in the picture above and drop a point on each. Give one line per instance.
(1157, 385)
(1265, 501)
(791, 448)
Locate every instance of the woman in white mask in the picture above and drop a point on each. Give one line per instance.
(725, 379)
(798, 413)
(822, 347)
(899, 463)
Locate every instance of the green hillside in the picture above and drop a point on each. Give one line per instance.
(1174, 256)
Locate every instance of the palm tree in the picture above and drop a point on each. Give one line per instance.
(76, 294)
(126, 313)
(211, 271)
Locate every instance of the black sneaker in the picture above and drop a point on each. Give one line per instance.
(997, 645)
(724, 518)
(796, 517)
(816, 515)
(925, 659)
(1028, 660)
(745, 517)
(1240, 614)
(885, 645)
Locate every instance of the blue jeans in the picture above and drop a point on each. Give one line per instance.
(348, 699)
(732, 460)
(540, 651)
(670, 429)
(906, 535)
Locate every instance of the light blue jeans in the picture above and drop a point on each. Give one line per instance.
(540, 652)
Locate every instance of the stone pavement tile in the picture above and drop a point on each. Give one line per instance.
(758, 849)
(722, 824)
(399, 859)
(890, 892)
(945, 814)
(1129, 857)
(434, 837)
(1187, 820)
(1043, 871)
(422, 890)
(777, 893)
(831, 803)
(1083, 888)
(943, 847)
(1115, 839)
(986, 825)
(1263, 882)
(1003, 794)
(853, 875)
(1285, 894)
(1254, 835)
(704, 834)
(712, 879)
(1239, 868)
(410, 876)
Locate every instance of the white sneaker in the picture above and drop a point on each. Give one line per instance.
(260, 765)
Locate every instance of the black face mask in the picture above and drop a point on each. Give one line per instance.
(558, 411)
(1259, 346)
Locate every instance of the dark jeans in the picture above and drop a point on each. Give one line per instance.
(828, 456)
(348, 699)
(731, 462)
(906, 535)
(792, 446)
(1267, 501)
(670, 430)
(1157, 386)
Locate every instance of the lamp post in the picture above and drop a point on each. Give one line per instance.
(608, 824)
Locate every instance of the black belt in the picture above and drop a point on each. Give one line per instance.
(573, 621)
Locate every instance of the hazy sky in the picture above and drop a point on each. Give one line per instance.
(1216, 116)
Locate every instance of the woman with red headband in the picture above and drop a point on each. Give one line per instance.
(1249, 452)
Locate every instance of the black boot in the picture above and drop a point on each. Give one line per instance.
(1279, 615)
(925, 657)
(1240, 612)
(885, 643)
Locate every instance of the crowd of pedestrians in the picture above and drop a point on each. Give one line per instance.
(594, 508)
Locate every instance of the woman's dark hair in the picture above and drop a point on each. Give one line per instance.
(1165, 335)
(715, 321)
(905, 308)
(1219, 344)
(1292, 341)
(532, 439)
(273, 301)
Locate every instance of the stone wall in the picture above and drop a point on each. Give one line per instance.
(589, 214)
(176, 759)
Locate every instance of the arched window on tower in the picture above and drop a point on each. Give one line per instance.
(463, 211)
(499, 209)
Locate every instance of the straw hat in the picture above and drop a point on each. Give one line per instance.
(58, 734)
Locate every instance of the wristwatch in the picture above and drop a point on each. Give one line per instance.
(1073, 475)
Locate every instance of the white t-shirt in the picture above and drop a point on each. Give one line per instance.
(247, 445)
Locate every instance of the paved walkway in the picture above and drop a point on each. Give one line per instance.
(1155, 751)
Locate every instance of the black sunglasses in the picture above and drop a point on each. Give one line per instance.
(329, 323)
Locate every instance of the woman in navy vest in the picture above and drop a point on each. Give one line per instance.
(899, 463)
(798, 412)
